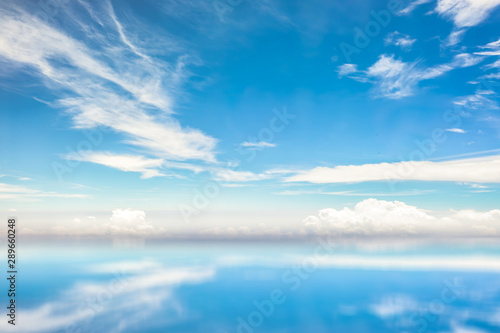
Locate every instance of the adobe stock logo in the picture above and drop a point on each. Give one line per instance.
(363, 37)
(223, 7)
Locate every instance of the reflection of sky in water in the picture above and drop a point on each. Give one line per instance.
(257, 288)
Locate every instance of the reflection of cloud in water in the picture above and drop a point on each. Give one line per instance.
(195, 288)
(117, 303)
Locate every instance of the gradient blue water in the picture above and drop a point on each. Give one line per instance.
(186, 287)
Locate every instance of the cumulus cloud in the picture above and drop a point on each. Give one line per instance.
(380, 217)
(475, 170)
(399, 39)
(129, 221)
(395, 79)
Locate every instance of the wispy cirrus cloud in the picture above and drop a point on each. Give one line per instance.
(478, 101)
(394, 78)
(257, 145)
(130, 163)
(104, 79)
(229, 175)
(491, 49)
(412, 6)
(464, 14)
(21, 193)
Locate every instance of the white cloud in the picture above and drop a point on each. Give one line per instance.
(399, 39)
(493, 49)
(478, 101)
(396, 79)
(16, 192)
(12, 210)
(411, 7)
(466, 13)
(347, 69)
(380, 217)
(129, 221)
(24, 178)
(147, 167)
(101, 83)
(351, 71)
(257, 145)
(455, 37)
(476, 170)
(229, 175)
(456, 130)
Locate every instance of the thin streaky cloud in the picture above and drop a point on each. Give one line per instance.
(412, 6)
(453, 157)
(21, 193)
(475, 170)
(456, 130)
(355, 194)
(128, 163)
(257, 145)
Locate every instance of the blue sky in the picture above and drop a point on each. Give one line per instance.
(272, 110)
